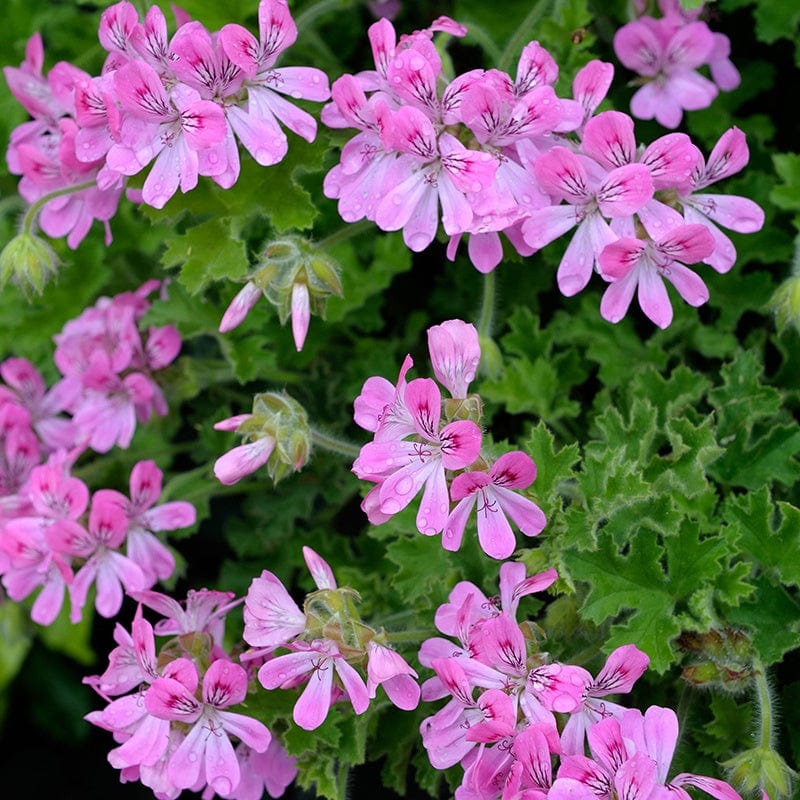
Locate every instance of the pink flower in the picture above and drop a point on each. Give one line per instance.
(105, 565)
(492, 492)
(315, 663)
(203, 756)
(669, 59)
(145, 518)
(631, 263)
(271, 617)
(591, 194)
(455, 355)
(172, 129)
(402, 468)
(388, 669)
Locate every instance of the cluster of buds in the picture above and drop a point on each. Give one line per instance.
(667, 52)
(178, 103)
(276, 433)
(525, 733)
(327, 641)
(296, 278)
(723, 659)
(421, 440)
(171, 710)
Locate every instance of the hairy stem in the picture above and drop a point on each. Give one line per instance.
(334, 445)
(764, 700)
(344, 233)
(29, 220)
(486, 319)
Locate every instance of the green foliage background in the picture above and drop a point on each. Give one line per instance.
(668, 461)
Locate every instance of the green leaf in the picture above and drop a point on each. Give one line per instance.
(422, 564)
(630, 583)
(786, 195)
(773, 617)
(206, 252)
(16, 634)
(73, 640)
(761, 440)
(768, 533)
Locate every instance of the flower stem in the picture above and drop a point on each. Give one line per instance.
(307, 18)
(522, 35)
(334, 445)
(29, 219)
(764, 700)
(486, 319)
(402, 637)
(344, 233)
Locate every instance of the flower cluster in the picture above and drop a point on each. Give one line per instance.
(413, 447)
(55, 540)
(177, 105)
(51, 537)
(507, 699)
(107, 364)
(666, 53)
(170, 710)
(535, 166)
(326, 641)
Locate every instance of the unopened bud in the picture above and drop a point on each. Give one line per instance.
(491, 358)
(785, 304)
(285, 420)
(471, 408)
(761, 769)
(29, 262)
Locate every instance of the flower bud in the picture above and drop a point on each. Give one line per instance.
(785, 304)
(491, 358)
(761, 769)
(283, 418)
(297, 280)
(28, 261)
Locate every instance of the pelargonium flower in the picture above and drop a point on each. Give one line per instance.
(402, 468)
(492, 491)
(631, 263)
(314, 662)
(668, 59)
(202, 756)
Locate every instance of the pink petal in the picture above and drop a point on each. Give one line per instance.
(653, 297)
(242, 460)
(313, 705)
(625, 190)
(617, 297)
(609, 139)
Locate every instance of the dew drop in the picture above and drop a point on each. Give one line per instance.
(297, 95)
(404, 485)
(192, 756)
(390, 506)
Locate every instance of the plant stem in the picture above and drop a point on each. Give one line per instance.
(307, 18)
(486, 42)
(334, 445)
(522, 35)
(401, 637)
(764, 700)
(344, 233)
(33, 211)
(486, 319)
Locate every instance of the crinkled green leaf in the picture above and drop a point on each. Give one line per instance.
(768, 532)
(761, 440)
(773, 617)
(205, 253)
